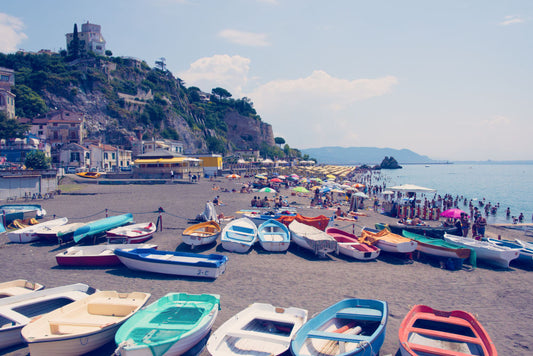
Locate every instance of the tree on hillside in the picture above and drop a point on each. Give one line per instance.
(221, 92)
(11, 128)
(279, 141)
(74, 48)
(27, 102)
(37, 160)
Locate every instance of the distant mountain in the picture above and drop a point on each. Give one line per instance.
(364, 155)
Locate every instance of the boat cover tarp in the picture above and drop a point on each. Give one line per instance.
(321, 222)
(209, 213)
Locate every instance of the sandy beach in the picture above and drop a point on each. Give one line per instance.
(501, 299)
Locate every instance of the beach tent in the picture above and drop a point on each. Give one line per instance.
(411, 188)
(267, 190)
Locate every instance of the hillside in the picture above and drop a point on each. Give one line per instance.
(364, 155)
(120, 96)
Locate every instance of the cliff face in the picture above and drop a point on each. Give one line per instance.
(119, 97)
(245, 132)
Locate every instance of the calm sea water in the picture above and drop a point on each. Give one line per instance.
(509, 184)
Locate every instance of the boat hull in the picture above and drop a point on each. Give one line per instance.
(131, 234)
(426, 331)
(98, 255)
(204, 233)
(30, 233)
(273, 236)
(260, 329)
(349, 327)
(349, 246)
(173, 263)
(388, 241)
(239, 235)
(525, 253)
(186, 334)
(312, 238)
(489, 253)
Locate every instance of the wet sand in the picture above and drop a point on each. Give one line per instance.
(501, 299)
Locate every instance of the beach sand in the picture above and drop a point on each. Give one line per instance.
(501, 299)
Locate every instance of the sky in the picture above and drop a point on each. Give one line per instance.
(451, 79)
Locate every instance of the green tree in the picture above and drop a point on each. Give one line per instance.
(74, 48)
(27, 102)
(108, 53)
(37, 160)
(11, 128)
(279, 141)
(221, 92)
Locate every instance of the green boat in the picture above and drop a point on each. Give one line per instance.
(100, 226)
(441, 248)
(172, 325)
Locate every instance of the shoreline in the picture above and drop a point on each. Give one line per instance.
(294, 278)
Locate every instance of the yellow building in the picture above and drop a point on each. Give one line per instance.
(163, 164)
(211, 163)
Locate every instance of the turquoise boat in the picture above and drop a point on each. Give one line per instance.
(170, 326)
(442, 249)
(100, 226)
(349, 327)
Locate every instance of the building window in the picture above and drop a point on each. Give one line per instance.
(74, 156)
(113, 155)
(4, 78)
(105, 155)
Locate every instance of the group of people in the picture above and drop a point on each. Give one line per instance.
(478, 226)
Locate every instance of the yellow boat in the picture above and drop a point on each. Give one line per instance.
(93, 175)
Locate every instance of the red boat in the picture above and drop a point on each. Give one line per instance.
(349, 245)
(427, 331)
(320, 222)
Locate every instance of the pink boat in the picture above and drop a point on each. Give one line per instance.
(349, 245)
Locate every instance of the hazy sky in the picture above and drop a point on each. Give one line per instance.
(448, 79)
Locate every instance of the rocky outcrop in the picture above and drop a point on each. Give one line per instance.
(245, 132)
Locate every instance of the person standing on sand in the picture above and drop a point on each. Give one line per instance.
(465, 224)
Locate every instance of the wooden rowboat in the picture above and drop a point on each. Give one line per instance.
(427, 331)
(131, 234)
(17, 311)
(239, 235)
(95, 255)
(349, 246)
(31, 233)
(82, 326)
(203, 233)
(18, 287)
(387, 241)
(321, 222)
(170, 326)
(311, 238)
(349, 327)
(173, 263)
(260, 329)
(274, 236)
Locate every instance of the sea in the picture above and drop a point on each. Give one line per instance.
(510, 185)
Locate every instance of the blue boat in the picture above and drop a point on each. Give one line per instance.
(173, 263)
(100, 226)
(349, 327)
(274, 236)
(526, 249)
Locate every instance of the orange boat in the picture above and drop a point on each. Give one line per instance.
(427, 331)
(320, 222)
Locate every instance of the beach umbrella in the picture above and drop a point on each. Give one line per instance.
(259, 176)
(300, 189)
(282, 177)
(388, 192)
(412, 188)
(360, 195)
(452, 213)
(233, 176)
(276, 180)
(358, 185)
(331, 176)
(267, 190)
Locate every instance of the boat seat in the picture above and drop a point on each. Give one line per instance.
(446, 335)
(318, 334)
(56, 323)
(366, 314)
(259, 336)
(434, 350)
(111, 308)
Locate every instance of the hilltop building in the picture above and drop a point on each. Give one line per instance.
(90, 39)
(7, 98)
